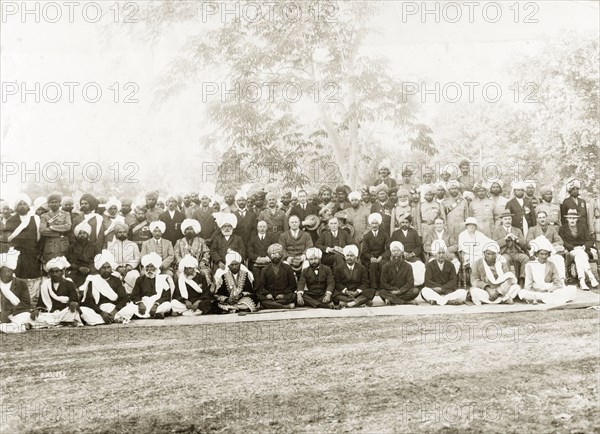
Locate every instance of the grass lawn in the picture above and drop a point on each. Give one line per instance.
(519, 372)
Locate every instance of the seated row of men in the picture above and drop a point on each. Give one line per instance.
(103, 299)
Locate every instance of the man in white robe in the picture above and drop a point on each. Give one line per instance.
(15, 304)
(152, 291)
(491, 282)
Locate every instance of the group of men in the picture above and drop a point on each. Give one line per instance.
(451, 242)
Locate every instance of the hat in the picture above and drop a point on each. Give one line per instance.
(190, 223)
(350, 248)
(152, 195)
(54, 196)
(375, 217)
(313, 252)
(226, 218)
(112, 201)
(105, 257)
(59, 262)
(152, 259)
(438, 246)
(471, 221)
(542, 243)
(518, 185)
(10, 259)
(22, 197)
(120, 225)
(403, 192)
(529, 182)
(271, 195)
(230, 192)
(428, 171)
(188, 261)
(381, 187)
(464, 163)
(572, 213)
(91, 200)
(545, 189)
(274, 248)
(453, 183)
(396, 245)
(573, 183)
(497, 181)
(354, 195)
(407, 172)
(372, 189)
(506, 213)
(385, 164)
(231, 257)
(157, 224)
(83, 226)
(312, 222)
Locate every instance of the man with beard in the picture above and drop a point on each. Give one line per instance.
(172, 218)
(81, 254)
(482, 208)
(88, 205)
(15, 304)
(429, 210)
(402, 207)
(276, 284)
(577, 203)
(294, 243)
(303, 210)
(126, 256)
(204, 215)
(341, 198)
(440, 192)
(374, 246)
(126, 213)
(189, 206)
(351, 281)
(246, 220)
(383, 208)
(286, 203)
(258, 248)
(59, 301)
(441, 280)
(384, 175)
(530, 196)
(236, 290)
(229, 199)
(332, 242)
(325, 195)
(499, 202)
(316, 284)
(152, 210)
(465, 180)
(520, 208)
(412, 248)
(157, 244)
(225, 241)
(550, 207)
(457, 208)
(491, 282)
(275, 218)
(191, 244)
(104, 299)
(24, 236)
(192, 294)
(140, 230)
(356, 215)
(152, 291)
(111, 216)
(55, 226)
(543, 229)
(397, 282)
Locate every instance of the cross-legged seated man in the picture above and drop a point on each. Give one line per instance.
(105, 299)
(351, 281)
(397, 281)
(192, 293)
(152, 292)
(543, 281)
(59, 301)
(490, 279)
(441, 280)
(316, 283)
(15, 302)
(235, 289)
(276, 285)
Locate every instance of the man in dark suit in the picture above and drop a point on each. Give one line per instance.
(257, 248)
(383, 207)
(225, 240)
(374, 250)
(316, 283)
(246, 220)
(351, 281)
(577, 203)
(521, 209)
(441, 280)
(204, 214)
(332, 242)
(172, 219)
(15, 303)
(303, 209)
(410, 239)
(513, 246)
(397, 281)
(276, 284)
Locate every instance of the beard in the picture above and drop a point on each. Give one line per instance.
(315, 265)
(276, 260)
(190, 275)
(151, 274)
(404, 202)
(122, 237)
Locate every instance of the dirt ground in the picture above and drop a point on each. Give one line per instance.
(520, 372)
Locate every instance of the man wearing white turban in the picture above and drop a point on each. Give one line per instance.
(152, 291)
(521, 208)
(226, 240)
(316, 284)
(236, 292)
(491, 282)
(15, 303)
(88, 206)
(276, 284)
(59, 301)
(192, 244)
(192, 294)
(549, 206)
(397, 280)
(104, 298)
(550, 232)
(384, 175)
(157, 244)
(172, 218)
(81, 254)
(543, 282)
(374, 250)
(351, 281)
(111, 217)
(356, 215)
(441, 280)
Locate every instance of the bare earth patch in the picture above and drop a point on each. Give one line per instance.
(521, 372)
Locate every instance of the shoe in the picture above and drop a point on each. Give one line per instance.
(454, 302)
(369, 303)
(432, 302)
(159, 316)
(509, 301)
(583, 285)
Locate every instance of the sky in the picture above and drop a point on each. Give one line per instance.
(126, 68)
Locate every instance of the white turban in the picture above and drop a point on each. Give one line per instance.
(453, 183)
(22, 197)
(573, 183)
(518, 185)
(193, 223)
(495, 181)
(491, 246)
(226, 218)
(396, 245)
(112, 202)
(188, 261)
(152, 259)
(438, 246)
(232, 257)
(313, 252)
(38, 202)
(529, 182)
(351, 248)
(375, 217)
(354, 195)
(158, 224)
(385, 164)
(103, 258)
(10, 259)
(59, 262)
(83, 226)
(542, 243)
